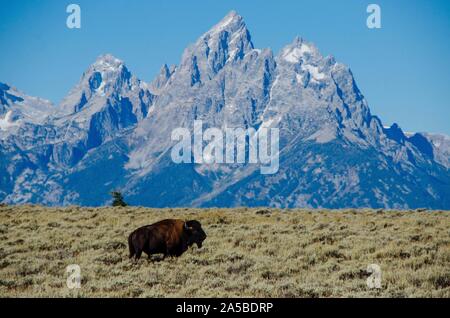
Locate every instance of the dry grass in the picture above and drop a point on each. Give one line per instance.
(248, 253)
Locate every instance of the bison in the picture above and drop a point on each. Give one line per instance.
(168, 237)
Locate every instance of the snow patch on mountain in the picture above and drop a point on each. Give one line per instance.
(293, 55)
(7, 122)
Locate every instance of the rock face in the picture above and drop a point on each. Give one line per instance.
(113, 131)
(17, 109)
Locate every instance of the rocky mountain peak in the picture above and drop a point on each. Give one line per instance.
(103, 79)
(107, 62)
(300, 51)
(226, 42)
(162, 78)
(17, 108)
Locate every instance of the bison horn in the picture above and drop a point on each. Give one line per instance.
(187, 227)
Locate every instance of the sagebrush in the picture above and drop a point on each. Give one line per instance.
(248, 253)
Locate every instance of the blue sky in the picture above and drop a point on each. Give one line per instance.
(403, 69)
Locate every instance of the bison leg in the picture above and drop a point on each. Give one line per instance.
(131, 246)
(167, 253)
(138, 254)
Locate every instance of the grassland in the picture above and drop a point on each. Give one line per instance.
(248, 253)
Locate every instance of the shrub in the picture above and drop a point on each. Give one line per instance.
(118, 199)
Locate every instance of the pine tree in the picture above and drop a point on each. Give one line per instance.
(118, 199)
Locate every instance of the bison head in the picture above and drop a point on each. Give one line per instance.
(195, 233)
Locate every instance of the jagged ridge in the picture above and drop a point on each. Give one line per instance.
(113, 131)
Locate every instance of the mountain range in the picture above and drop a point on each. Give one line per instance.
(113, 132)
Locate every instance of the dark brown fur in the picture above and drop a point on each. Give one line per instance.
(168, 237)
